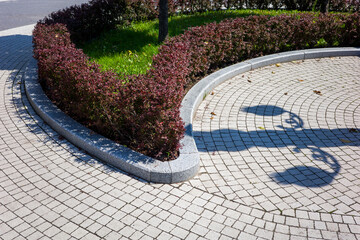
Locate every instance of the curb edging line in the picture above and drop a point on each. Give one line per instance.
(187, 164)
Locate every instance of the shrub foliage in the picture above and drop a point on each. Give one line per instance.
(303, 5)
(89, 19)
(142, 111)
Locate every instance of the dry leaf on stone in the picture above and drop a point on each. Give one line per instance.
(212, 113)
(277, 65)
(318, 92)
(353, 130)
(262, 128)
(345, 140)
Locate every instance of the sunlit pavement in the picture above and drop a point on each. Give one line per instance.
(16, 13)
(280, 159)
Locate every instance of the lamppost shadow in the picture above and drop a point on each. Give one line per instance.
(295, 136)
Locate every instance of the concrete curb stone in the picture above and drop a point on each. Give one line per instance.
(186, 165)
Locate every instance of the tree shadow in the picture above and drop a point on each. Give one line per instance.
(295, 136)
(15, 50)
(118, 41)
(125, 39)
(48, 136)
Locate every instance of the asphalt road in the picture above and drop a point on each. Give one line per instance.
(16, 13)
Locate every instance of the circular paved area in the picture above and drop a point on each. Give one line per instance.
(49, 189)
(286, 136)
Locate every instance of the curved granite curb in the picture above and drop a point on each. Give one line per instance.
(181, 169)
(187, 165)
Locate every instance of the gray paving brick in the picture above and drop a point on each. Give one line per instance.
(179, 232)
(257, 165)
(230, 232)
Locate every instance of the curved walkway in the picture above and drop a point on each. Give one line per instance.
(297, 177)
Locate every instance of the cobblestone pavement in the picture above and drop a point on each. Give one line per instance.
(285, 137)
(279, 161)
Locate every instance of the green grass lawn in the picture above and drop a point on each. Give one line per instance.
(130, 49)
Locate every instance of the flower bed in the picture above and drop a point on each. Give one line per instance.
(142, 111)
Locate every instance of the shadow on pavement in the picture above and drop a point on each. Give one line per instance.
(15, 51)
(295, 136)
(308, 176)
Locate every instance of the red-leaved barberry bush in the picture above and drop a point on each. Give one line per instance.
(143, 111)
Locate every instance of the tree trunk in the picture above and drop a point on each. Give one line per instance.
(324, 7)
(163, 20)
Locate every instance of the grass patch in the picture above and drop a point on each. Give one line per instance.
(130, 49)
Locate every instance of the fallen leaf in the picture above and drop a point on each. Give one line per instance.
(345, 140)
(286, 93)
(277, 65)
(212, 93)
(300, 80)
(273, 72)
(249, 80)
(212, 118)
(353, 130)
(212, 113)
(262, 128)
(318, 92)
